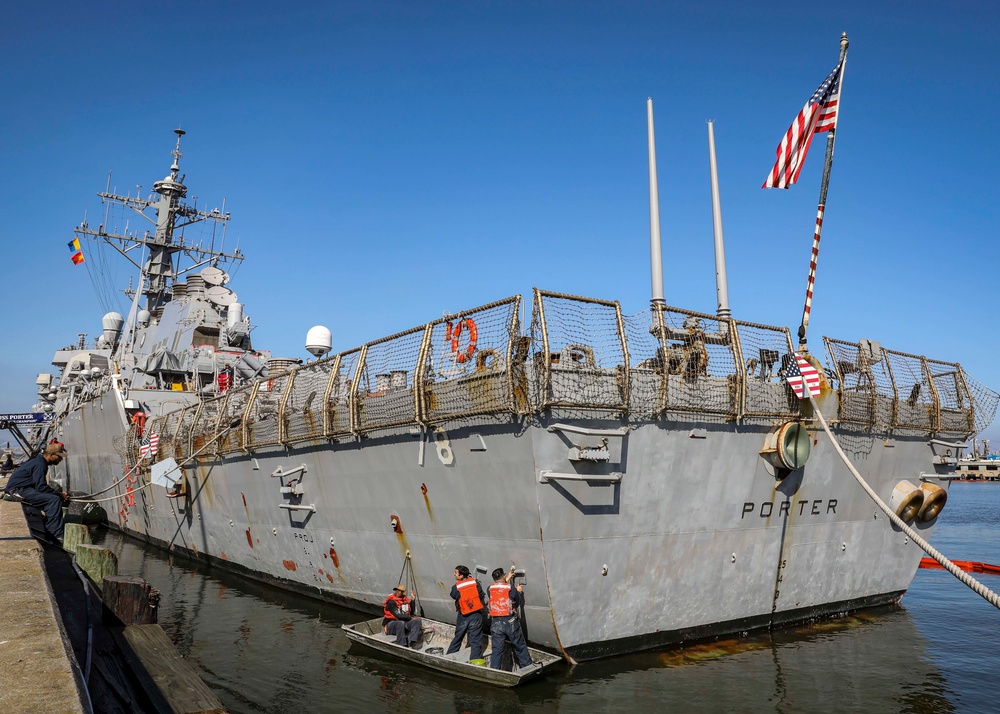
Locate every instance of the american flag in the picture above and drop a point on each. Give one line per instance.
(819, 114)
(149, 445)
(802, 376)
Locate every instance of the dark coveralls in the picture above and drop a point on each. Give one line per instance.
(508, 628)
(28, 481)
(402, 624)
(471, 624)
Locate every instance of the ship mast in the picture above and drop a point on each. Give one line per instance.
(166, 241)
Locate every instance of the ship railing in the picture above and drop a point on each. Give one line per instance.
(579, 354)
(703, 364)
(451, 368)
(680, 361)
(882, 390)
(578, 350)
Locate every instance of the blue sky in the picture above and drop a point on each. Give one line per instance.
(386, 162)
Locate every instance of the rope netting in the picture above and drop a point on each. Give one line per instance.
(385, 381)
(182, 439)
(467, 367)
(206, 425)
(339, 419)
(262, 416)
(683, 361)
(235, 408)
(302, 414)
(983, 400)
(884, 389)
(767, 353)
(867, 391)
(580, 353)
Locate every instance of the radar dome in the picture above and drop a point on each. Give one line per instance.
(143, 318)
(319, 341)
(112, 323)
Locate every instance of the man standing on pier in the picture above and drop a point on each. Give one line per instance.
(29, 485)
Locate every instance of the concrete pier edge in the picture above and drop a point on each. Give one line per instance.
(38, 671)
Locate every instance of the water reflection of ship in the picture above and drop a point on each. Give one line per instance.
(873, 662)
(263, 649)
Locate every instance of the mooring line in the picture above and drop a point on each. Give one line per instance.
(219, 435)
(991, 597)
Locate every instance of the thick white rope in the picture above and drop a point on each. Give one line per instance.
(149, 483)
(991, 597)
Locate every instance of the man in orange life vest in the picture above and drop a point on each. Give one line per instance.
(503, 609)
(469, 598)
(399, 619)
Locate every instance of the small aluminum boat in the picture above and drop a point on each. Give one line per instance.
(434, 641)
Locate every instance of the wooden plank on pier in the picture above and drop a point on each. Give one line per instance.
(170, 681)
(129, 600)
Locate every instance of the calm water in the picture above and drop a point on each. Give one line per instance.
(263, 650)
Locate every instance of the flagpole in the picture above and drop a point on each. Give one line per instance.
(821, 208)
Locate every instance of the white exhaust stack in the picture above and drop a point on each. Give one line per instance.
(721, 281)
(655, 257)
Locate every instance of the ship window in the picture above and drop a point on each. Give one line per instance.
(973, 468)
(991, 468)
(205, 336)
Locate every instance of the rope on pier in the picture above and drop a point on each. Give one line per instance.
(991, 597)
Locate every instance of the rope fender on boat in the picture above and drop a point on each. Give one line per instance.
(984, 592)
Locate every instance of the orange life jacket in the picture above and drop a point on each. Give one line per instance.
(402, 603)
(139, 419)
(468, 596)
(500, 599)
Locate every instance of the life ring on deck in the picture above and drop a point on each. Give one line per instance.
(453, 333)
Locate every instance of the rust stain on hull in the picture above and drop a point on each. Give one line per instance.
(249, 538)
(334, 558)
(289, 565)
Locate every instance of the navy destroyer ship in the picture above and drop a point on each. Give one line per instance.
(653, 474)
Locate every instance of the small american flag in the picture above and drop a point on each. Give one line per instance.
(819, 114)
(149, 445)
(802, 376)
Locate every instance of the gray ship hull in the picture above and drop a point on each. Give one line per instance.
(688, 544)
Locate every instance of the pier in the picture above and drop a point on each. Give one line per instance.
(77, 637)
(38, 671)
